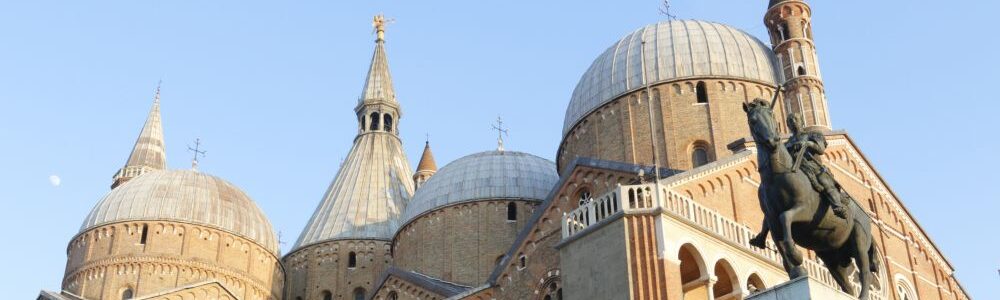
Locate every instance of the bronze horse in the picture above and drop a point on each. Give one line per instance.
(796, 213)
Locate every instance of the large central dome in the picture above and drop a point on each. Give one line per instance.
(674, 50)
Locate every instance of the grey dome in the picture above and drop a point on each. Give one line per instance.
(674, 50)
(185, 196)
(483, 176)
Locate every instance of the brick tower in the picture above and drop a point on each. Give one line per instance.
(790, 27)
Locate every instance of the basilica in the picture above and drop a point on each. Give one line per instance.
(653, 195)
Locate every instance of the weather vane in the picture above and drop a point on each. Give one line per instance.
(379, 22)
(197, 151)
(500, 133)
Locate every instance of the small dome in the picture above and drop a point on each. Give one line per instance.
(483, 176)
(675, 50)
(185, 196)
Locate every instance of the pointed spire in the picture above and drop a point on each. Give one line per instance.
(148, 154)
(378, 85)
(426, 167)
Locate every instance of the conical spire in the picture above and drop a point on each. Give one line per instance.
(378, 85)
(148, 154)
(426, 168)
(367, 197)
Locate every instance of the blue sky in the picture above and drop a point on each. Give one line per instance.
(269, 87)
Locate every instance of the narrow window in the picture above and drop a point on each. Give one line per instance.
(298, 298)
(363, 123)
(359, 294)
(802, 71)
(522, 262)
(127, 294)
(352, 260)
(374, 125)
(784, 31)
(327, 295)
(699, 156)
(511, 211)
(702, 92)
(393, 296)
(387, 122)
(145, 232)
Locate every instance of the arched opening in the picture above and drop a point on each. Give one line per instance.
(802, 71)
(726, 282)
(551, 289)
(127, 294)
(699, 156)
(904, 290)
(327, 295)
(393, 296)
(298, 298)
(584, 196)
(511, 211)
(702, 92)
(144, 234)
(785, 34)
(387, 123)
(359, 294)
(352, 260)
(693, 277)
(522, 261)
(374, 124)
(363, 119)
(755, 284)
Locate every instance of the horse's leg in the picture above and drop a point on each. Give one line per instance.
(794, 271)
(839, 266)
(792, 215)
(862, 244)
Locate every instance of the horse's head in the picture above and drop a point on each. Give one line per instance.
(762, 125)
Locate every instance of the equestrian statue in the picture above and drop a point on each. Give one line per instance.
(803, 205)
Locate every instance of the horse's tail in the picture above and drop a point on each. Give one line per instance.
(874, 258)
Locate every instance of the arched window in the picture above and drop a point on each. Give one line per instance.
(359, 294)
(585, 197)
(144, 234)
(363, 119)
(522, 262)
(802, 70)
(511, 211)
(699, 156)
(393, 296)
(702, 92)
(903, 289)
(327, 295)
(298, 298)
(127, 294)
(352, 260)
(387, 123)
(374, 125)
(785, 34)
(755, 284)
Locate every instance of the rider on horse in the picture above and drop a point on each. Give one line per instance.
(805, 145)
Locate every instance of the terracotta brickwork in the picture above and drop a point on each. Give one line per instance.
(541, 266)
(790, 27)
(325, 267)
(619, 130)
(106, 261)
(398, 289)
(460, 243)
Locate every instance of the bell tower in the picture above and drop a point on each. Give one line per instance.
(790, 27)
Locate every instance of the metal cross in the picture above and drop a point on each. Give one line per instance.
(665, 10)
(156, 98)
(500, 133)
(197, 150)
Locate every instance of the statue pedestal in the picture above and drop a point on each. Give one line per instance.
(800, 289)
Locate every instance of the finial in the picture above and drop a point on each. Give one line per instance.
(500, 133)
(665, 10)
(427, 139)
(197, 151)
(156, 97)
(379, 22)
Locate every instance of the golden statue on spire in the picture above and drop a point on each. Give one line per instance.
(379, 22)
